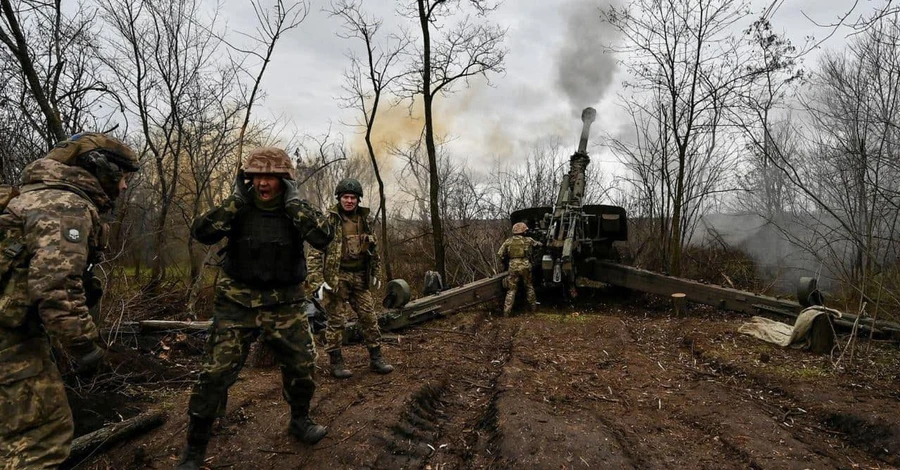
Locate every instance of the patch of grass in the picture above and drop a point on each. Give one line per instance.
(576, 317)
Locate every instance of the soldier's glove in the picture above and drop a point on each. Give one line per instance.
(375, 282)
(88, 357)
(320, 292)
(93, 289)
(240, 192)
(291, 192)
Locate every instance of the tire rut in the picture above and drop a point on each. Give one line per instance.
(455, 406)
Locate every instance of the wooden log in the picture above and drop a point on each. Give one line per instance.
(101, 439)
(163, 325)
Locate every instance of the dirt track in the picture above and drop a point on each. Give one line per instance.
(610, 386)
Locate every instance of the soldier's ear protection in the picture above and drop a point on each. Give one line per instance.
(107, 172)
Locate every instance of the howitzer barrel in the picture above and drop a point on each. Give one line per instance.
(587, 118)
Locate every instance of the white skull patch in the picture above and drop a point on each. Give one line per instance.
(73, 235)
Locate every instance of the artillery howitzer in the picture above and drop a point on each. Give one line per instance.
(575, 236)
(578, 241)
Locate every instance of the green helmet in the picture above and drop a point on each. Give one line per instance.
(348, 185)
(113, 149)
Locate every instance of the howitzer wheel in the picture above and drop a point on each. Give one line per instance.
(397, 294)
(808, 293)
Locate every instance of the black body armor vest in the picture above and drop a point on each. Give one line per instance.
(265, 250)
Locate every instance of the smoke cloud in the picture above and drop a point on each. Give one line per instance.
(585, 67)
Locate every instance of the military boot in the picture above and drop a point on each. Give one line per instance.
(376, 362)
(199, 431)
(338, 369)
(304, 428)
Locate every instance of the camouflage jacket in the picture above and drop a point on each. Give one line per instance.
(216, 225)
(518, 249)
(324, 265)
(55, 227)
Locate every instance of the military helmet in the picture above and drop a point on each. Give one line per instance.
(519, 228)
(348, 185)
(113, 149)
(269, 161)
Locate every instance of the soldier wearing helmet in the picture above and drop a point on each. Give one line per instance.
(344, 275)
(259, 294)
(51, 235)
(517, 251)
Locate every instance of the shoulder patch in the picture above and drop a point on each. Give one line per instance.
(73, 235)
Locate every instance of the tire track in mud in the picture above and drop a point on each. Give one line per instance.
(729, 410)
(806, 421)
(452, 423)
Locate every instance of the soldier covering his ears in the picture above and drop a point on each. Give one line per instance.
(259, 294)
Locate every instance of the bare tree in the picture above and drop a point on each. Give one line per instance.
(850, 175)
(685, 65)
(162, 60)
(51, 69)
(272, 24)
(365, 81)
(773, 72)
(448, 53)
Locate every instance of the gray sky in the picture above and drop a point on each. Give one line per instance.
(525, 103)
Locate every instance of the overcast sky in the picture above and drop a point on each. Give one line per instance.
(528, 101)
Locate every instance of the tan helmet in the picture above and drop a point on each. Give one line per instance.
(270, 161)
(114, 149)
(519, 228)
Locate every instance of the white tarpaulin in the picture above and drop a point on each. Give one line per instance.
(783, 334)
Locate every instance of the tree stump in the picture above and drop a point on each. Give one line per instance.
(678, 303)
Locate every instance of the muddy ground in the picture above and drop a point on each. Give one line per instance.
(619, 383)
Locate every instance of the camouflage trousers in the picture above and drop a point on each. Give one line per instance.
(284, 328)
(36, 425)
(519, 271)
(350, 295)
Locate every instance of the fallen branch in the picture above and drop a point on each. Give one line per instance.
(443, 330)
(101, 439)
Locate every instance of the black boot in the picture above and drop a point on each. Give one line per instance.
(304, 428)
(338, 369)
(198, 434)
(376, 362)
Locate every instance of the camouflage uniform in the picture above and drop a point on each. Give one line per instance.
(57, 221)
(518, 249)
(350, 290)
(244, 312)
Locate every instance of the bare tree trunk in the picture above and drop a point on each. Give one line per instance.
(437, 229)
(19, 47)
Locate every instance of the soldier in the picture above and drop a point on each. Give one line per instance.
(517, 250)
(343, 276)
(258, 294)
(50, 237)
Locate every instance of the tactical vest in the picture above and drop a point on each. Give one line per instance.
(518, 248)
(355, 244)
(265, 250)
